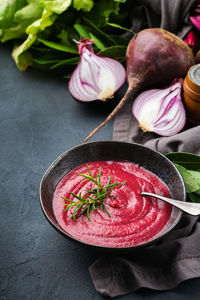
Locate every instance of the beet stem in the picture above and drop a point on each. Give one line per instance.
(128, 95)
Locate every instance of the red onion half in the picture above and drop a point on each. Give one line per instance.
(95, 77)
(161, 110)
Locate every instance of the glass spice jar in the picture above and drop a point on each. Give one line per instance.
(191, 94)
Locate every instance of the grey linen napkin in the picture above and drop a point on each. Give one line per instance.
(169, 15)
(158, 267)
(177, 257)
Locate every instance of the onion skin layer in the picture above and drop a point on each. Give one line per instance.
(154, 58)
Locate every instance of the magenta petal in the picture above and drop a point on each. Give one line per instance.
(190, 38)
(196, 17)
(195, 21)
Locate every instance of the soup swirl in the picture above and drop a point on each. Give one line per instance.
(134, 219)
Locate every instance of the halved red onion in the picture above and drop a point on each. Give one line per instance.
(95, 77)
(161, 110)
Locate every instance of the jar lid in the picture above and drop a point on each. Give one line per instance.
(194, 74)
(192, 82)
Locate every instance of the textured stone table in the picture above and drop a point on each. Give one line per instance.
(40, 120)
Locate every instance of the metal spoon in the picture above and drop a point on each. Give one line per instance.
(188, 207)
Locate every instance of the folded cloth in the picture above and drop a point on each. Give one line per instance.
(160, 267)
(177, 257)
(170, 15)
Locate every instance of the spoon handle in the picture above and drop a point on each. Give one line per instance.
(188, 207)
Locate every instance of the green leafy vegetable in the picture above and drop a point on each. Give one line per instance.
(120, 27)
(97, 42)
(83, 30)
(22, 18)
(99, 33)
(85, 5)
(22, 58)
(56, 6)
(117, 52)
(46, 20)
(59, 47)
(68, 61)
(53, 24)
(8, 10)
(45, 61)
(103, 11)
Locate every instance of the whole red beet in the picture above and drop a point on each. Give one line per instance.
(154, 57)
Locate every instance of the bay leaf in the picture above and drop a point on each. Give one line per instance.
(190, 182)
(187, 160)
(194, 197)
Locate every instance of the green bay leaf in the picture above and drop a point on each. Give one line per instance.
(187, 160)
(194, 197)
(190, 182)
(196, 175)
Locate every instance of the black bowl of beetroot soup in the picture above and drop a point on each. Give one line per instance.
(127, 221)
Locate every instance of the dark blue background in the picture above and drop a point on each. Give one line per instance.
(40, 120)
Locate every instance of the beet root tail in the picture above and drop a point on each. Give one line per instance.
(128, 95)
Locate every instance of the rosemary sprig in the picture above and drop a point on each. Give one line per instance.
(93, 198)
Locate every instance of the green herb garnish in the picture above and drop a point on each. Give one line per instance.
(93, 198)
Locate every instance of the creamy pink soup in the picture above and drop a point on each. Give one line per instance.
(134, 220)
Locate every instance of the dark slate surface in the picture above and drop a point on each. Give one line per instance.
(38, 121)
